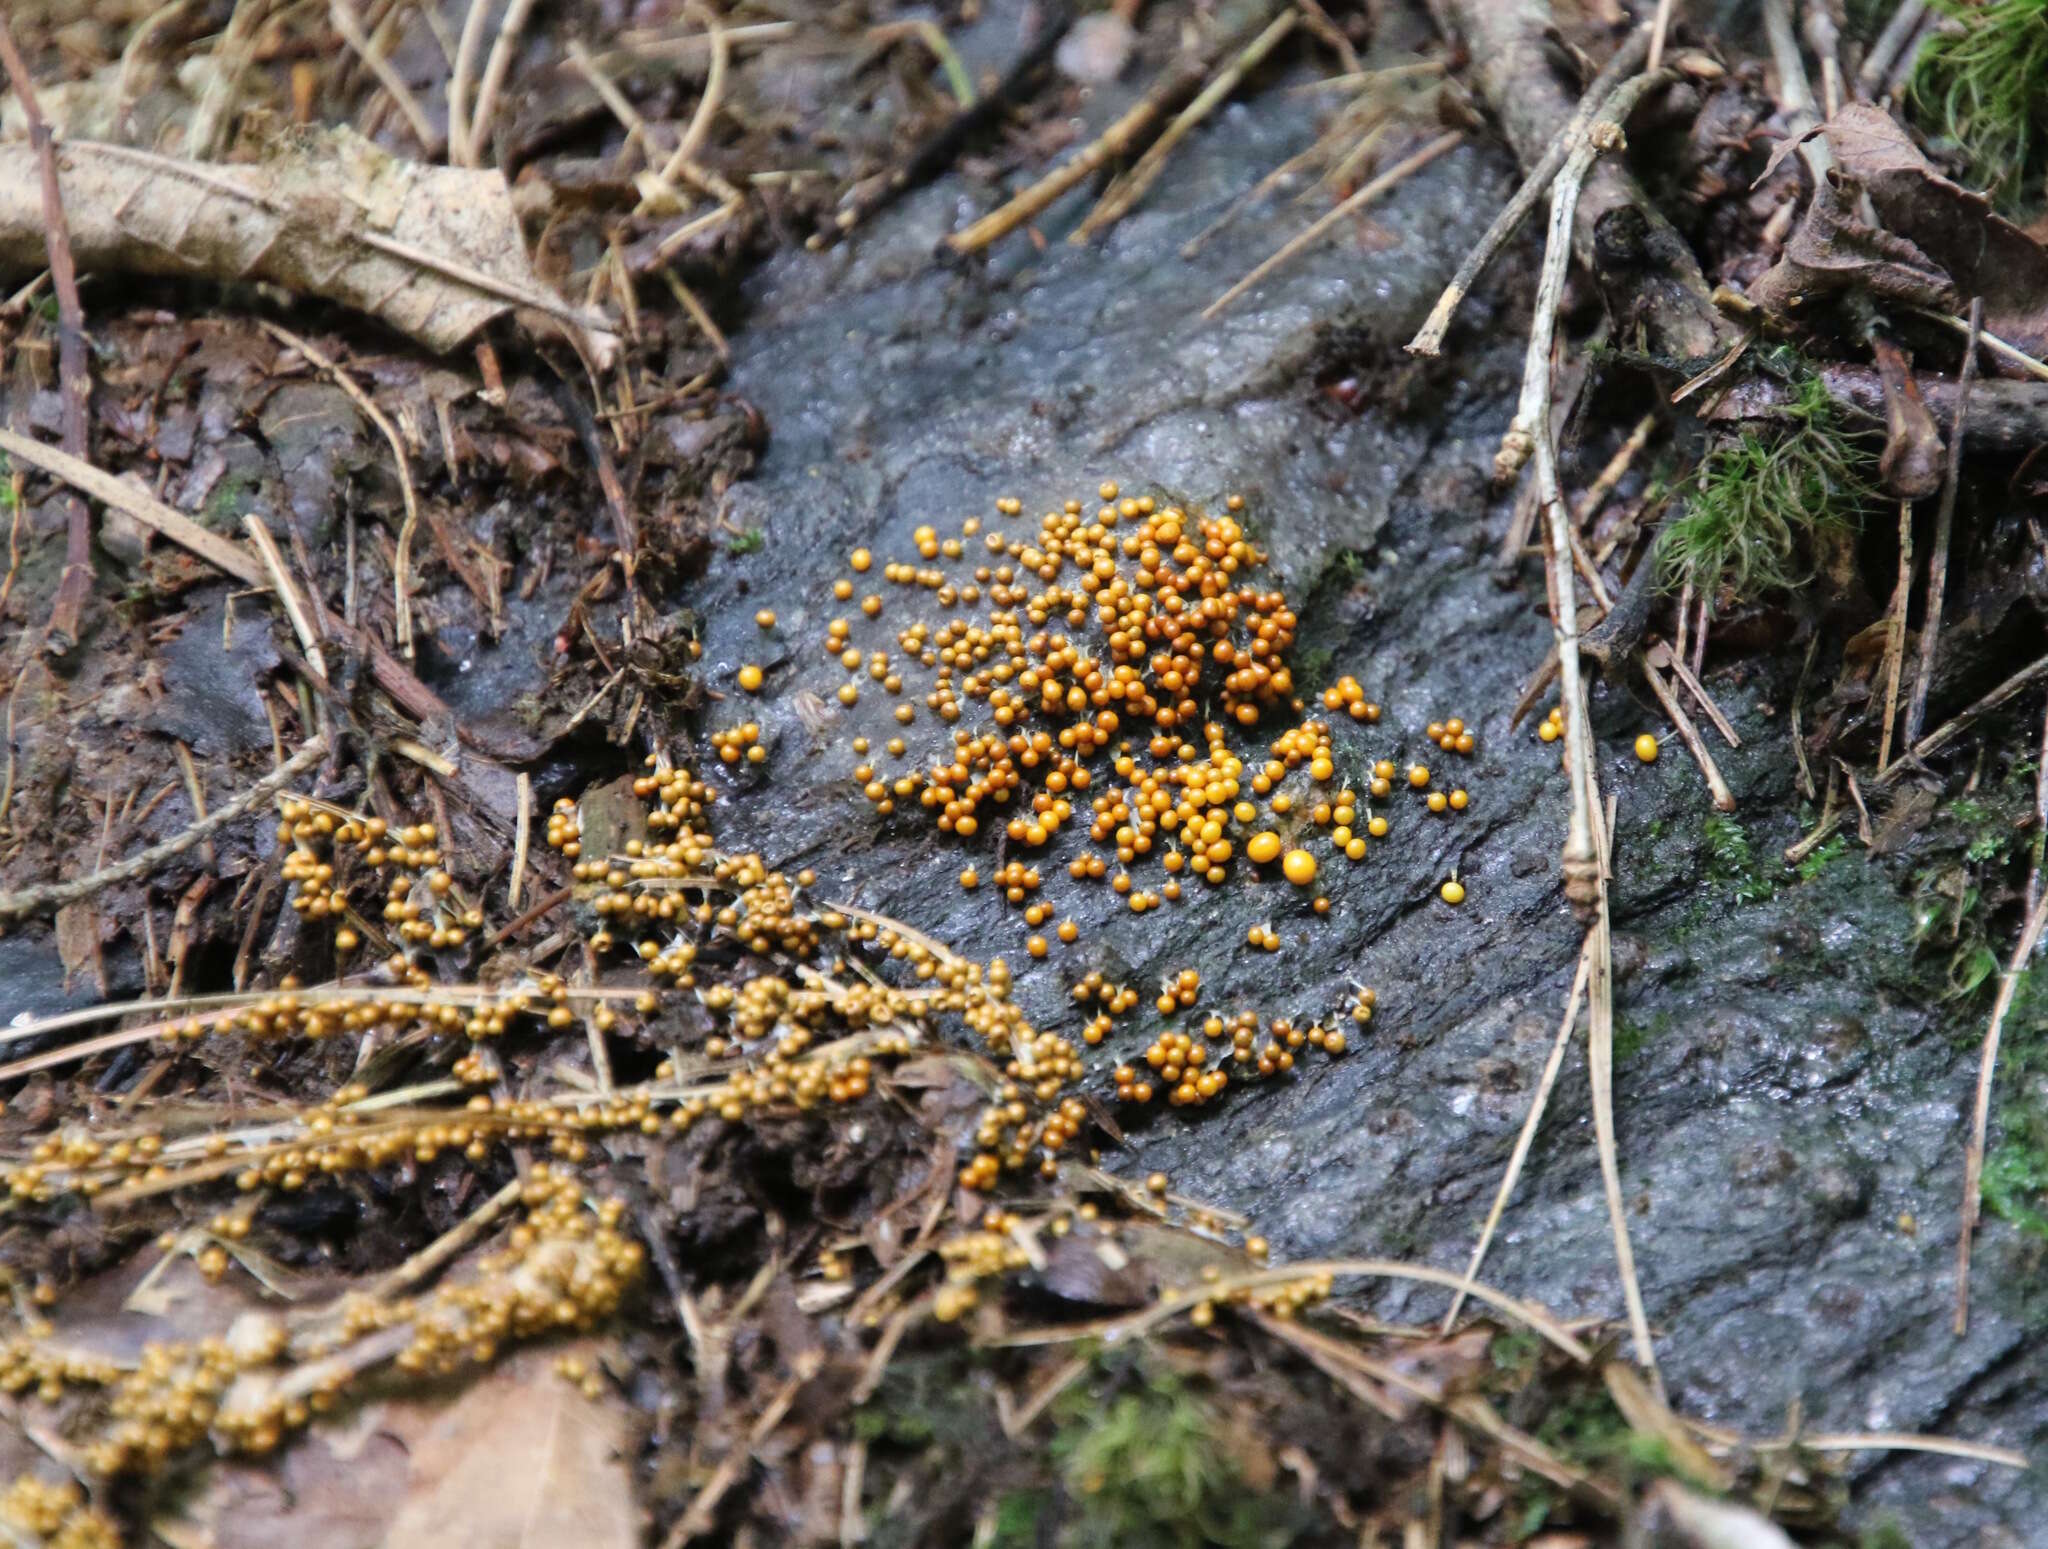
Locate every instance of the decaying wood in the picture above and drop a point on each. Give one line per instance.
(2005, 416)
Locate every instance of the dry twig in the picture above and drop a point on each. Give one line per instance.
(1527, 1138)
(1429, 337)
(401, 570)
(495, 70)
(1895, 634)
(1944, 526)
(74, 382)
(51, 895)
(350, 26)
(1980, 1119)
(1689, 734)
(1106, 147)
(1124, 194)
(142, 506)
(1890, 44)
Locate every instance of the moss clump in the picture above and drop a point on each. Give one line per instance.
(1732, 865)
(1983, 83)
(1755, 501)
(1150, 1470)
(2015, 1182)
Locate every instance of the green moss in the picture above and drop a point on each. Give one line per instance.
(1149, 1470)
(1982, 82)
(1886, 1534)
(1732, 865)
(2015, 1182)
(1312, 668)
(1818, 861)
(1589, 1430)
(1754, 503)
(1016, 1520)
(224, 503)
(1631, 1037)
(750, 541)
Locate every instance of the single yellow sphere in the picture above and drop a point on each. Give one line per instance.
(750, 678)
(1548, 731)
(1452, 892)
(1646, 748)
(1299, 867)
(765, 618)
(1263, 846)
(1418, 775)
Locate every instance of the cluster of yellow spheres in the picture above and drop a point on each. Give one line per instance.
(1098, 672)
(39, 1514)
(332, 848)
(741, 742)
(563, 1268)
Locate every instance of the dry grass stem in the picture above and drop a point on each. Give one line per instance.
(1124, 194)
(1392, 178)
(1980, 1115)
(1537, 1105)
(1944, 526)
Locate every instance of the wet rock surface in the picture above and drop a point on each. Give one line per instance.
(1790, 1089)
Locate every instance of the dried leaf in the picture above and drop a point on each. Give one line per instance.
(521, 1461)
(1982, 253)
(519, 1458)
(435, 252)
(1911, 462)
(1938, 243)
(1831, 251)
(78, 943)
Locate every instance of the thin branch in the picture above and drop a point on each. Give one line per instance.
(1659, 30)
(1171, 1304)
(1600, 1073)
(1895, 633)
(50, 895)
(500, 62)
(1111, 143)
(1527, 1138)
(1891, 42)
(1429, 337)
(346, 22)
(1531, 431)
(1795, 91)
(401, 570)
(281, 582)
(459, 81)
(143, 507)
(1944, 527)
(74, 380)
(1689, 734)
(1980, 1121)
(684, 162)
(523, 785)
